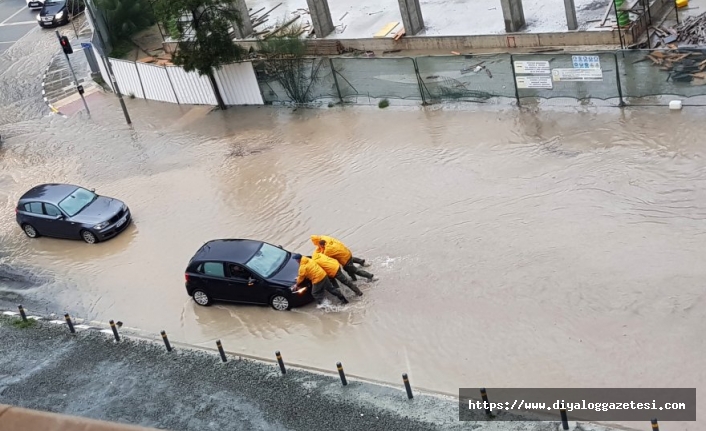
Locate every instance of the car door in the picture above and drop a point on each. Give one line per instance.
(56, 222)
(37, 218)
(245, 284)
(213, 280)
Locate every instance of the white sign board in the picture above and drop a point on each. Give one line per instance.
(532, 67)
(532, 82)
(586, 61)
(577, 75)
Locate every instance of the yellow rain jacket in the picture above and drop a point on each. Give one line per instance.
(328, 264)
(311, 270)
(334, 248)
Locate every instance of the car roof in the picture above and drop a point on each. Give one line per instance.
(230, 250)
(53, 192)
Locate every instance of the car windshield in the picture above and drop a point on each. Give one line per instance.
(77, 201)
(53, 2)
(267, 260)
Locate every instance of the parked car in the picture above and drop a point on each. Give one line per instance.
(35, 4)
(245, 271)
(72, 212)
(58, 12)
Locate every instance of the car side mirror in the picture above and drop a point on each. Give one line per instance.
(93, 190)
(58, 217)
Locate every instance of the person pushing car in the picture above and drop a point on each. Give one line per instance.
(333, 270)
(309, 269)
(334, 248)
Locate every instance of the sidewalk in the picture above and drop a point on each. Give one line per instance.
(58, 82)
(88, 374)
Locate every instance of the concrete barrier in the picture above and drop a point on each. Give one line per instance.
(16, 418)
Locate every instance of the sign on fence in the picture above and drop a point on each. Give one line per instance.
(532, 67)
(544, 82)
(586, 61)
(577, 75)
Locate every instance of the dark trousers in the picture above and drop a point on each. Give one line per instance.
(340, 276)
(317, 290)
(353, 270)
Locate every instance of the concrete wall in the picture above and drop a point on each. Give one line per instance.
(493, 41)
(320, 17)
(16, 419)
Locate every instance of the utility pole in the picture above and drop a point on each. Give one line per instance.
(66, 47)
(117, 90)
(106, 61)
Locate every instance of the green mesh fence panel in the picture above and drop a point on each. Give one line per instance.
(579, 76)
(393, 78)
(308, 80)
(469, 78)
(642, 77)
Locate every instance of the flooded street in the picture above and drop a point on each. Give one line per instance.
(514, 249)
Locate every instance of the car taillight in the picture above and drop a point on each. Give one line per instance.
(186, 277)
(17, 210)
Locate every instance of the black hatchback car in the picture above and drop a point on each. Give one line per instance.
(72, 212)
(245, 271)
(58, 12)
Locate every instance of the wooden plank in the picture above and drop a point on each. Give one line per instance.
(401, 32)
(386, 29)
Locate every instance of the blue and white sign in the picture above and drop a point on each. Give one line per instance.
(586, 61)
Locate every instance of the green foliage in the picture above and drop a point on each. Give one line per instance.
(19, 323)
(384, 103)
(286, 43)
(121, 48)
(286, 63)
(124, 18)
(202, 28)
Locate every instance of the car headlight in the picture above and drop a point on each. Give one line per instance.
(39, 18)
(101, 225)
(59, 15)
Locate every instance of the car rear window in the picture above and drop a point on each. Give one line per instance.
(214, 269)
(34, 207)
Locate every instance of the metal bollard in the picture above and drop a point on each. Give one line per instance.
(115, 331)
(341, 373)
(484, 396)
(221, 351)
(655, 425)
(407, 386)
(166, 341)
(22, 313)
(70, 323)
(280, 362)
(564, 418)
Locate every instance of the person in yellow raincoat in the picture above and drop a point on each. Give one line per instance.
(333, 270)
(309, 269)
(334, 248)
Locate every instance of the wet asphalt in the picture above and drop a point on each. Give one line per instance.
(138, 382)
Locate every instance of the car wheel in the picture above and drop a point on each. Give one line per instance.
(30, 231)
(89, 237)
(202, 298)
(280, 303)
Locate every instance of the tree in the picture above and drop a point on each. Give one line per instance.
(202, 29)
(124, 18)
(286, 63)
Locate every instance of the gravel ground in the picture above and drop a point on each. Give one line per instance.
(138, 382)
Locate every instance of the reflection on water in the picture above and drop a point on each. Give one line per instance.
(514, 249)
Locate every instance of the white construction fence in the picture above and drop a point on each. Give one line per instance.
(236, 82)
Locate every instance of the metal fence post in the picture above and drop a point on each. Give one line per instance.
(514, 80)
(139, 78)
(420, 83)
(335, 80)
(617, 79)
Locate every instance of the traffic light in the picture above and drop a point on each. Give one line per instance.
(66, 45)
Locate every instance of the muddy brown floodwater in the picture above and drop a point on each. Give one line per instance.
(514, 249)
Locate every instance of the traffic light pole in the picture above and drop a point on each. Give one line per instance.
(78, 87)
